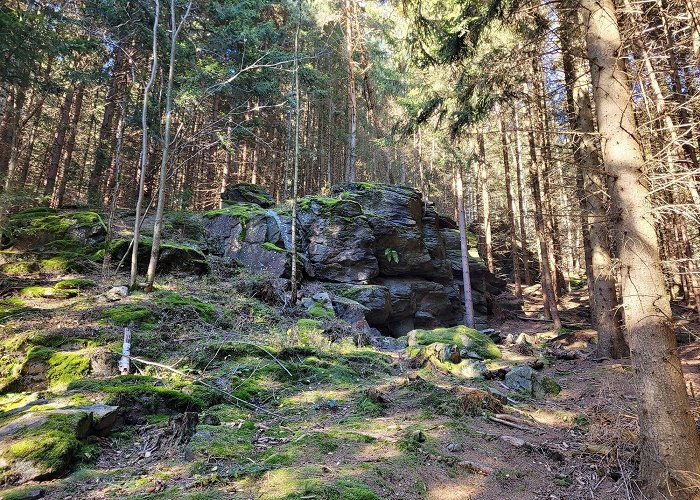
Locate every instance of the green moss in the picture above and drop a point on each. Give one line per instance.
(35, 221)
(225, 441)
(67, 366)
(347, 489)
(52, 446)
(325, 202)
(137, 391)
(307, 326)
(128, 314)
(550, 386)
(48, 292)
(74, 283)
(39, 353)
(12, 306)
(319, 310)
(460, 336)
(174, 301)
(241, 211)
(185, 224)
(272, 247)
(15, 268)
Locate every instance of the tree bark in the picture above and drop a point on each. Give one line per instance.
(70, 147)
(670, 445)
(59, 140)
(351, 153)
(103, 147)
(548, 295)
(464, 246)
(143, 160)
(485, 208)
(521, 198)
(605, 315)
(510, 208)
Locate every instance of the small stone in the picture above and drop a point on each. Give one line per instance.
(211, 420)
(513, 441)
(116, 293)
(455, 448)
(418, 436)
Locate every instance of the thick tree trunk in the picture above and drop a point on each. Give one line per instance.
(605, 315)
(670, 445)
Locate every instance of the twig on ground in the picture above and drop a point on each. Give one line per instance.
(205, 384)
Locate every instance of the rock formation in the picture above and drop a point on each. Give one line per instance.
(378, 246)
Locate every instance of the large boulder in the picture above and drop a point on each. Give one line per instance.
(396, 216)
(49, 240)
(247, 193)
(338, 241)
(420, 303)
(376, 300)
(247, 235)
(43, 444)
(174, 257)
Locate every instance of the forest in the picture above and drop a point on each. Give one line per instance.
(349, 249)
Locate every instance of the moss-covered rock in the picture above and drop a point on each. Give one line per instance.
(128, 314)
(460, 336)
(179, 303)
(51, 241)
(320, 310)
(249, 193)
(139, 395)
(41, 445)
(11, 307)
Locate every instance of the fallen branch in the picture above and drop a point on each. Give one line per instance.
(509, 423)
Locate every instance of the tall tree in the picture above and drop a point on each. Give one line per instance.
(175, 28)
(670, 444)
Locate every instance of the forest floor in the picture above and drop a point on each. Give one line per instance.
(332, 420)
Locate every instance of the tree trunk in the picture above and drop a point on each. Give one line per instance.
(70, 147)
(521, 197)
(351, 153)
(510, 208)
(162, 183)
(464, 246)
(103, 148)
(143, 160)
(548, 296)
(485, 208)
(59, 140)
(670, 445)
(605, 316)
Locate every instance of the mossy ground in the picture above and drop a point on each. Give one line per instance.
(290, 413)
